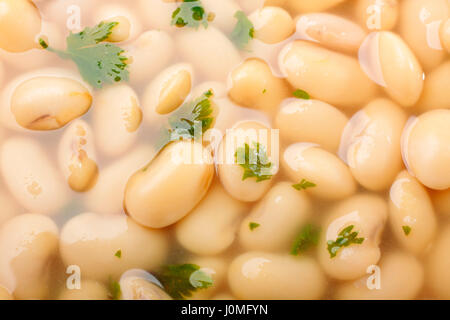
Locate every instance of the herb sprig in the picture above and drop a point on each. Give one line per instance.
(98, 62)
(191, 13)
(307, 238)
(345, 238)
(243, 31)
(406, 230)
(255, 162)
(181, 280)
(253, 225)
(301, 94)
(303, 185)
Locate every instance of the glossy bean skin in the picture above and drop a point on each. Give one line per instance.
(18, 35)
(388, 60)
(147, 198)
(436, 90)
(272, 24)
(231, 173)
(49, 103)
(91, 241)
(401, 278)
(261, 276)
(326, 75)
(311, 121)
(438, 264)
(31, 177)
(211, 227)
(425, 148)
(77, 157)
(331, 176)
(29, 243)
(371, 144)
(331, 31)
(280, 215)
(410, 206)
(377, 14)
(368, 214)
(419, 25)
(117, 116)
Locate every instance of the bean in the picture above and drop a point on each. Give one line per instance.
(368, 214)
(89, 290)
(224, 12)
(29, 243)
(280, 215)
(129, 27)
(266, 276)
(209, 51)
(31, 177)
(331, 176)
(441, 202)
(106, 196)
(254, 86)
(311, 121)
(377, 14)
(438, 264)
(388, 60)
(137, 284)
(425, 148)
(371, 144)
(171, 185)
(156, 13)
(436, 91)
(326, 75)
(331, 31)
(77, 158)
(18, 35)
(121, 31)
(49, 103)
(410, 207)
(231, 173)
(91, 241)
(419, 25)
(211, 227)
(401, 278)
(116, 118)
(272, 24)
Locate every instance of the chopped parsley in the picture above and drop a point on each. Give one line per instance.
(264, 91)
(243, 31)
(189, 121)
(406, 230)
(307, 238)
(254, 161)
(114, 289)
(191, 13)
(303, 185)
(181, 280)
(118, 254)
(99, 63)
(253, 225)
(301, 94)
(345, 238)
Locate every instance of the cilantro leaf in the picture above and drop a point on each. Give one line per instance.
(191, 13)
(99, 63)
(253, 225)
(114, 289)
(254, 161)
(345, 238)
(303, 185)
(301, 94)
(308, 237)
(406, 230)
(243, 31)
(181, 280)
(118, 254)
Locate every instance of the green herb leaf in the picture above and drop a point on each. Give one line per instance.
(99, 63)
(190, 13)
(345, 238)
(118, 254)
(114, 289)
(181, 280)
(253, 225)
(254, 161)
(243, 31)
(264, 91)
(300, 94)
(303, 185)
(406, 230)
(308, 237)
